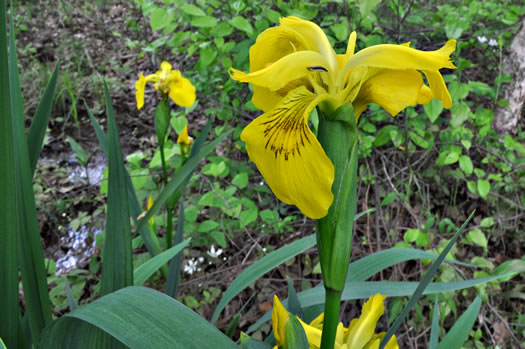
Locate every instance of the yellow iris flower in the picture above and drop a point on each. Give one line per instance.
(168, 81)
(359, 335)
(293, 68)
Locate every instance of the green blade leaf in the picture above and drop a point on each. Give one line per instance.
(172, 283)
(30, 254)
(144, 272)
(139, 318)
(294, 305)
(180, 178)
(434, 332)
(71, 301)
(423, 284)
(8, 214)
(37, 131)
(365, 289)
(117, 259)
(261, 267)
(459, 332)
(150, 240)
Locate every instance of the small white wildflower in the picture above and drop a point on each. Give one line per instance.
(201, 259)
(191, 266)
(223, 258)
(493, 42)
(264, 249)
(482, 39)
(261, 183)
(214, 253)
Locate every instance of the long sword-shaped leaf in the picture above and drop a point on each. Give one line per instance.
(459, 332)
(143, 272)
(172, 283)
(150, 240)
(365, 289)
(139, 318)
(8, 246)
(30, 254)
(434, 330)
(423, 284)
(37, 131)
(117, 267)
(180, 177)
(261, 267)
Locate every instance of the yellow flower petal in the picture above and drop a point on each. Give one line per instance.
(404, 57)
(393, 90)
(376, 340)
(361, 330)
(265, 99)
(165, 67)
(280, 73)
(289, 156)
(279, 318)
(184, 138)
(438, 87)
(150, 202)
(140, 85)
(182, 92)
(314, 36)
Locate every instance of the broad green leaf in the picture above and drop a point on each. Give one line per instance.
(193, 10)
(483, 188)
(460, 114)
(204, 22)
(159, 18)
(476, 236)
(447, 157)
(384, 135)
(30, 253)
(80, 153)
(261, 267)
(433, 109)
(422, 285)
(117, 258)
(140, 318)
(458, 334)
(144, 272)
(37, 131)
(466, 164)
(242, 23)
(8, 209)
(240, 180)
(367, 6)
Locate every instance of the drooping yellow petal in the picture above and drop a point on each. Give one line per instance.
(403, 57)
(182, 92)
(393, 90)
(184, 138)
(438, 87)
(140, 85)
(376, 340)
(289, 156)
(280, 73)
(361, 330)
(279, 318)
(314, 36)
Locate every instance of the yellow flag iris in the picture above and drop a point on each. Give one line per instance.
(168, 81)
(293, 68)
(359, 335)
(184, 138)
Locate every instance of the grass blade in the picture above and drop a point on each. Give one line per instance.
(71, 301)
(37, 131)
(117, 259)
(261, 267)
(294, 305)
(8, 247)
(172, 284)
(434, 331)
(139, 318)
(422, 285)
(459, 332)
(144, 272)
(30, 252)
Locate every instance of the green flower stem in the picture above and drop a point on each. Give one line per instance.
(169, 205)
(338, 135)
(332, 308)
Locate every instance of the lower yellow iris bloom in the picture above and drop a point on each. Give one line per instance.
(168, 81)
(293, 68)
(359, 335)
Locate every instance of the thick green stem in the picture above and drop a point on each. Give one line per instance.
(169, 206)
(338, 136)
(332, 307)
